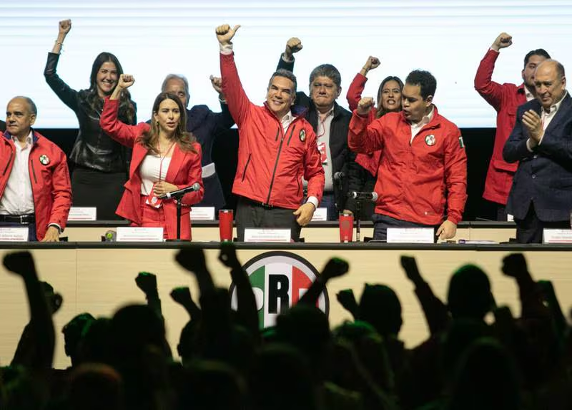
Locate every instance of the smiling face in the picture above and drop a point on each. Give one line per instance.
(390, 98)
(549, 83)
(106, 79)
(280, 96)
(167, 116)
(19, 118)
(414, 106)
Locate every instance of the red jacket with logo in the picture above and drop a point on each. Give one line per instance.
(271, 162)
(184, 170)
(415, 180)
(505, 99)
(49, 174)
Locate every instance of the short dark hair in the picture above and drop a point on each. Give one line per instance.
(286, 74)
(423, 79)
(327, 70)
(538, 52)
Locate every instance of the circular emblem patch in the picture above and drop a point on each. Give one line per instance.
(44, 160)
(430, 140)
(278, 280)
(302, 135)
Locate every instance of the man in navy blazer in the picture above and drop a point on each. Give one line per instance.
(541, 193)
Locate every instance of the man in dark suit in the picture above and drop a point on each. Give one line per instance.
(541, 194)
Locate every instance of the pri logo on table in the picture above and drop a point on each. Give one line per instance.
(279, 279)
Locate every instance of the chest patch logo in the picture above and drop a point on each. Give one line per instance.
(430, 140)
(44, 160)
(302, 135)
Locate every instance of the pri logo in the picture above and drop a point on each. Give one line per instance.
(279, 279)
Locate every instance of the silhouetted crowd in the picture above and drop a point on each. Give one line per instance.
(228, 362)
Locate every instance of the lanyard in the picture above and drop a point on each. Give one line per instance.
(162, 158)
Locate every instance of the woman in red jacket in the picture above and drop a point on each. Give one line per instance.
(165, 158)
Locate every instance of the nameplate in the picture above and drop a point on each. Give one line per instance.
(136, 234)
(557, 236)
(13, 234)
(81, 213)
(320, 215)
(267, 235)
(410, 235)
(203, 213)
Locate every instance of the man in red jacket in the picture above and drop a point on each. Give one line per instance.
(35, 189)
(505, 99)
(423, 165)
(277, 147)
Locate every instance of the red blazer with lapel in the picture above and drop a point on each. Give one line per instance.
(184, 170)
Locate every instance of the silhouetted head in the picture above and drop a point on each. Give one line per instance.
(73, 333)
(469, 293)
(95, 386)
(487, 379)
(380, 298)
(95, 345)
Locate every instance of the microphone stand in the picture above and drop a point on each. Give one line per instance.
(179, 201)
(358, 220)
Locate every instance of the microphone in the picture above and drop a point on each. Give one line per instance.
(180, 192)
(363, 196)
(338, 176)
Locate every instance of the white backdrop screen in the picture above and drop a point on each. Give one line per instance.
(155, 38)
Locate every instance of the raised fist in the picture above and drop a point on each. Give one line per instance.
(364, 105)
(125, 81)
(65, 26)
(502, 41)
(293, 45)
(216, 82)
(224, 33)
(372, 63)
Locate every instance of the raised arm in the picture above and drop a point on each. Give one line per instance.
(358, 84)
(361, 136)
(64, 92)
(22, 264)
(334, 268)
(286, 62)
(488, 89)
(223, 119)
(110, 124)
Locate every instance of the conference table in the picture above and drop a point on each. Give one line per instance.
(99, 277)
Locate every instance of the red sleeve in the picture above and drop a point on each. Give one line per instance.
(120, 132)
(485, 86)
(61, 192)
(356, 89)
(313, 169)
(365, 138)
(455, 175)
(236, 99)
(195, 175)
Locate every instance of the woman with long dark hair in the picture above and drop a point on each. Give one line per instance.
(165, 158)
(363, 177)
(100, 164)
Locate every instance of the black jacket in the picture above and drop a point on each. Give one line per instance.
(93, 148)
(342, 157)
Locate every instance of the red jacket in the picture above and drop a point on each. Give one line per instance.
(370, 160)
(505, 99)
(415, 180)
(271, 163)
(51, 188)
(184, 170)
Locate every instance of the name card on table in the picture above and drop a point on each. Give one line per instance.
(557, 236)
(320, 214)
(410, 235)
(137, 234)
(203, 213)
(16, 234)
(267, 235)
(82, 213)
